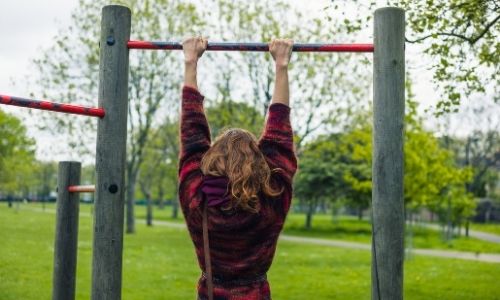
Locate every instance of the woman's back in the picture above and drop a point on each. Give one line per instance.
(245, 215)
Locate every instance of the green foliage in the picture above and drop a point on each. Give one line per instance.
(459, 37)
(317, 179)
(68, 70)
(462, 37)
(236, 115)
(317, 80)
(342, 163)
(337, 166)
(17, 156)
(158, 172)
(46, 178)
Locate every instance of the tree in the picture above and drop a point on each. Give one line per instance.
(17, 157)
(317, 178)
(158, 173)
(46, 179)
(326, 88)
(225, 114)
(460, 37)
(432, 177)
(68, 69)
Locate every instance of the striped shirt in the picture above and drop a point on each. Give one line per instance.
(242, 244)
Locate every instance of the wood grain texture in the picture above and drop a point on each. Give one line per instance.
(388, 118)
(111, 154)
(66, 239)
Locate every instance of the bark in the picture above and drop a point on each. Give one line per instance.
(360, 213)
(309, 215)
(175, 206)
(448, 221)
(131, 181)
(161, 200)
(149, 210)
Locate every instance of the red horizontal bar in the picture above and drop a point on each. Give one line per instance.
(52, 106)
(81, 188)
(259, 47)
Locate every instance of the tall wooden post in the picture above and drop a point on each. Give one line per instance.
(388, 123)
(110, 154)
(66, 240)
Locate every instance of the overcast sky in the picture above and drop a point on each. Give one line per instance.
(28, 25)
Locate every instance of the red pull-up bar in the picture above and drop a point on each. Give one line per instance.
(81, 188)
(255, 47)
(52, 106)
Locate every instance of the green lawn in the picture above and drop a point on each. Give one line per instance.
(352, 229)
(159, 263)
(491, 228)
(343, 228)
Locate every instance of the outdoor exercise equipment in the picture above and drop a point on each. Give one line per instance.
(387, 190)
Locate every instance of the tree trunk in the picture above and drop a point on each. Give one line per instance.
(309, 215)
(161, 202)
(131, 180)
(467, 227)
(448, 221)
(149, 210)
(175, 206)
(409, 237)
(360, 213)
(487, 214)
(161, 193)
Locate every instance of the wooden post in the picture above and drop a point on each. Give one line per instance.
(66, 240)
(110, 154)
(388, 122)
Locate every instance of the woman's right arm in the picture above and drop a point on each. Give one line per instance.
(276, 142)
(281, 51)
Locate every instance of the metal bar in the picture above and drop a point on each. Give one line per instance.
(81, 188)
(66, 233)
(256, 47)
(52, 106)
(388, 155)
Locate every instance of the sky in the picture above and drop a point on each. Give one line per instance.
(26, 26)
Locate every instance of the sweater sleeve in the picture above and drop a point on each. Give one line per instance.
(276, 144)
(194, 142)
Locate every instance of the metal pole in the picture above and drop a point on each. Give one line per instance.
(256, 47)
(388, 122)
(52, 106)
(66, 240)
(110, 154)
(81, 188)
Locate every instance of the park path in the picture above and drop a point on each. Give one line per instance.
(482, 257)
(489, 237)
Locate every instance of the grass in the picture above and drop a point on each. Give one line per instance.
(352, 229)
(490, 228)
(342, 228)
(159, 263)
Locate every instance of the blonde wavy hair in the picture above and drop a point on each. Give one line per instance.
(236, 155)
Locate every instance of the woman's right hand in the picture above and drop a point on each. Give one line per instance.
(193, 48)
(281, 51)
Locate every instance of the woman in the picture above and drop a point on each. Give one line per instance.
(240, 187)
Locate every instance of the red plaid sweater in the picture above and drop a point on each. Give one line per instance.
(242, 244)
